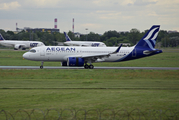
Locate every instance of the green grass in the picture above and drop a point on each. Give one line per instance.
(89, 79)
(90, 89)
(125, 89)
(13, 100)
(77, 99)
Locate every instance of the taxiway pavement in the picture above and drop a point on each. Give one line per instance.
(59, 67)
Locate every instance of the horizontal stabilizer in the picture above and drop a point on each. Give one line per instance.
(147, 52)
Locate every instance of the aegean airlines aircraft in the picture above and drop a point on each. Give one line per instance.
(82, 43)
(20, 44)
(81, 56)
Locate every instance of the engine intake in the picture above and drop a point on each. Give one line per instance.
(74, 61)
(17, 46)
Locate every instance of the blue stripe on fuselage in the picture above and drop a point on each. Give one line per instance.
(138, 54)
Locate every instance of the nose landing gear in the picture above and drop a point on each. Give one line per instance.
(41, 67)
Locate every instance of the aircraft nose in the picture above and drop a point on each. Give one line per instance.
(25, 55)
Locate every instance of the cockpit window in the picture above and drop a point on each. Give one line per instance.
(32, 50)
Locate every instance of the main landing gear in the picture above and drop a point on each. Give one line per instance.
(86, 66)
(41, 67)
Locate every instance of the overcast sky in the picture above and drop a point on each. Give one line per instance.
(96, 15)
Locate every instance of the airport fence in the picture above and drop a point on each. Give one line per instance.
(92, 114)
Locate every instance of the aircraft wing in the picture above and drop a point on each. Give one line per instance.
(96, 56)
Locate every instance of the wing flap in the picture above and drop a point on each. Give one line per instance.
(96, 55)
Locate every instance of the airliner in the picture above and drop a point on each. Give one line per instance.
(20, 44)
(85, 56)
(82, 43)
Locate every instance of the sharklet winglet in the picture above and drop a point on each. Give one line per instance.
(117, 50)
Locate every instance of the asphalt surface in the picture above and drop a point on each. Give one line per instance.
(59, 67)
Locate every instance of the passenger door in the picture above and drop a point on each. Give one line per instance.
(42, 51)
(134, 53)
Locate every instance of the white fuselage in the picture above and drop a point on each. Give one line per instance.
(22, 44)
(85, 43)
(61, 53)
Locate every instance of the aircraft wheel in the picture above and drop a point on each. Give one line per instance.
(86, 66)
(91, 66)
(41, 67)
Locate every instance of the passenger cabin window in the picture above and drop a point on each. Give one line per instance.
(32, 50)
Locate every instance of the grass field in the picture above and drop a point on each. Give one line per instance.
(90, 89)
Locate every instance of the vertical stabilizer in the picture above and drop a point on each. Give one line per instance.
(67, 37)
(1, 37)
(149, 39)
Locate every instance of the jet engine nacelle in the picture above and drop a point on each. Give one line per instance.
(16, 47)
(74, 61)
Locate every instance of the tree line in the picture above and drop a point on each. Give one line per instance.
(110, 38)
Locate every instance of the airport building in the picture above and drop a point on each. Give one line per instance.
(53, 30)
(49, 30)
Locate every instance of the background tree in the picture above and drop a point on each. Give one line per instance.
(93, 37)
(134, 36)
(162, 34)
(110, 38)
(109, 34)
(71, 35)
(165, 42)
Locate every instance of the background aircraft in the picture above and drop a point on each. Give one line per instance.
(82, 43)
(20, 44)
(80, 56)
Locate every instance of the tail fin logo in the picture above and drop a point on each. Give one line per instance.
(1, 37)
(149, 39)
(66, 37)
(152, 36)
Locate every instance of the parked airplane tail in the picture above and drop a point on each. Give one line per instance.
(1, 37)
(67, 37)
(149, 39)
